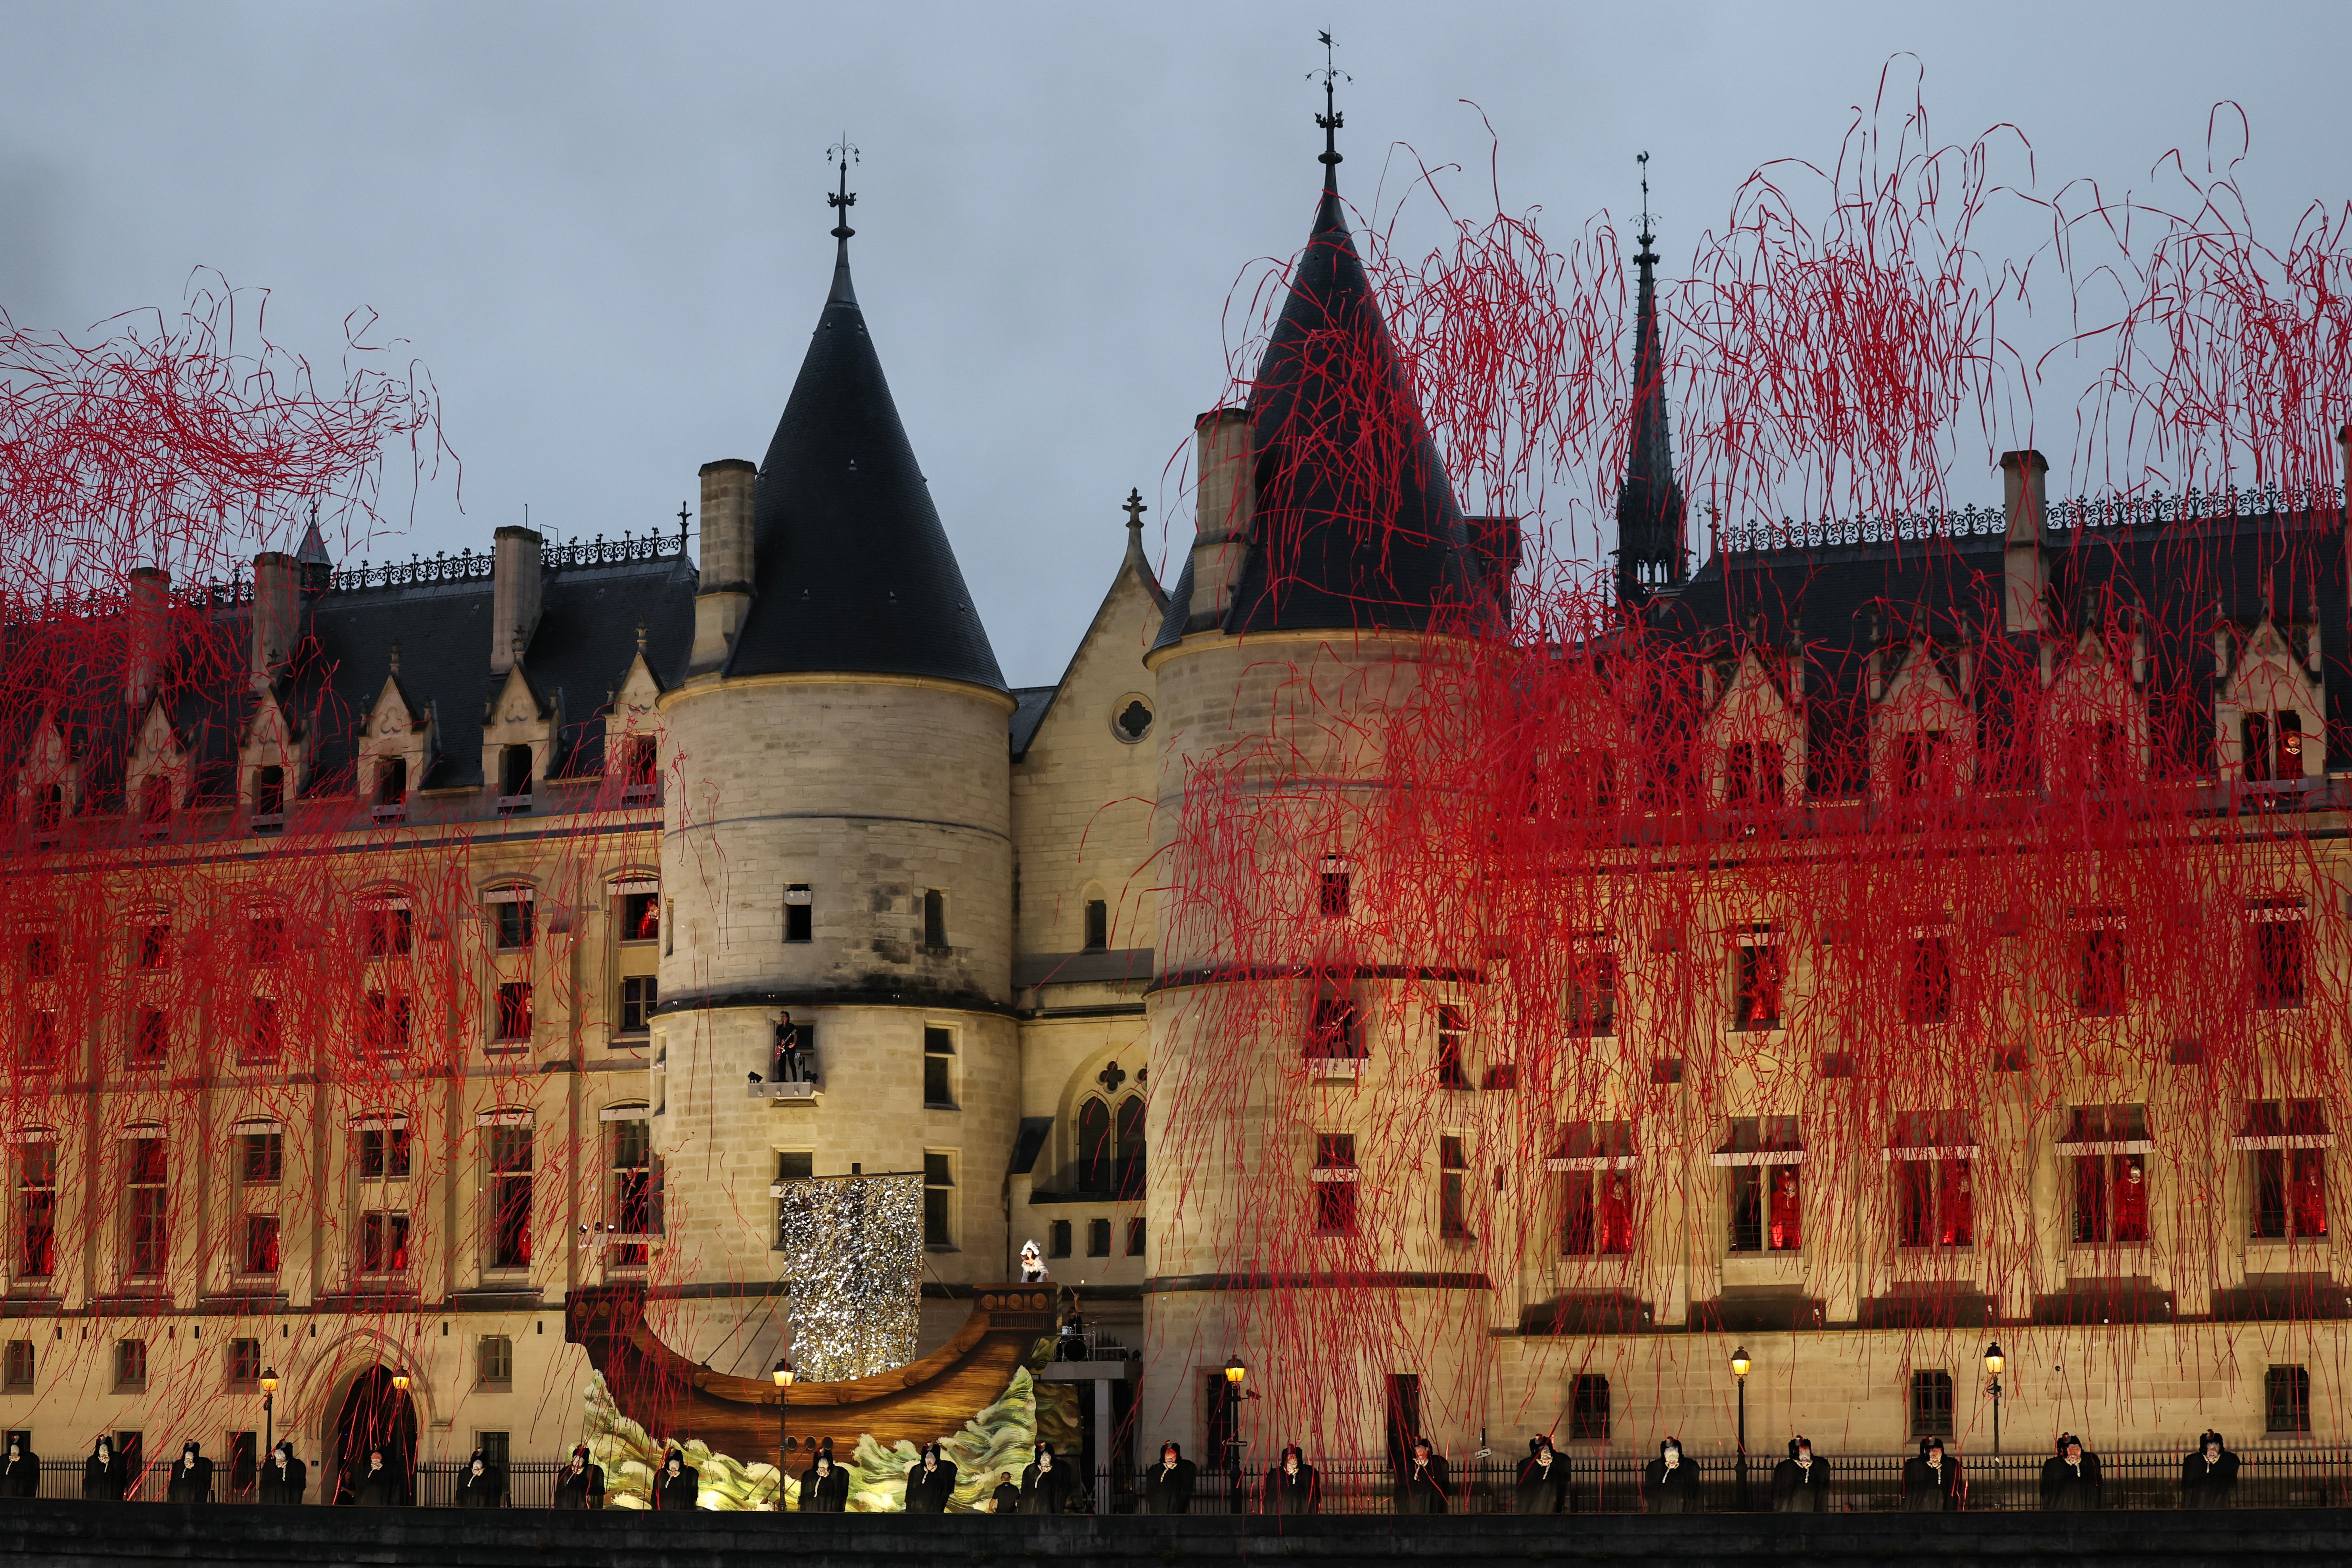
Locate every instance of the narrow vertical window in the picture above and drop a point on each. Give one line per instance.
(1454, 1180)
(939, 1068)
(1452, 1034)
(1097, 935)
(37, 1210)
(1931, 1404)
(1588, 1411)
(938, 1201)
(934, 919)
(800, 914)
(2286, 1400)
(632, 1191)
(511, 1197)
(513, 1021)
(148, 1235)
(1333, 893)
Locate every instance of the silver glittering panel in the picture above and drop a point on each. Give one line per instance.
(853, 1249)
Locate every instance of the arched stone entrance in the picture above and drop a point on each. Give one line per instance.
(373, 1412)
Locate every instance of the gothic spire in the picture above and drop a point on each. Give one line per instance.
(841, 201)
(1651, 512)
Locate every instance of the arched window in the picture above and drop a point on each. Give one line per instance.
(1130, 1147)
(1096, 1161)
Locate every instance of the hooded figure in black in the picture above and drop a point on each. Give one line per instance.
(581, 1483)
(20, 1471)
(284, 1477)
(380, 1485)
(1669, 1483)
(1168, 1485)
(825, 1485)
(1931, 1483)
(1046, 1484)
(2209, 1478)
(678, 1486)
(1006, 1498)
(1543, 1479)
(2070, 1482)
(930, 1482)
(191, 1478)
(1291, 1487)
(1423, 1481)
(104, 1476)
(1800, 1483)
(483, 1485)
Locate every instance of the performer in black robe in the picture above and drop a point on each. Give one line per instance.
(1006, 1498)
(2070, 1482)
(483, 1485)
(581, 1483)
(380, 1485)
(1669, 1485)
(20, 1472)
(825, 1487)
(1291, 1487)
(1168, 1485)
(1425, 1482)
(678, 1486)
(2209, 1478)
(104, 1476)
(284, 1477)
(191, 1478)
(1046, 1484)
(1800, 1483)
(930, 1482)
(1543, 1479)
(1931, 1483)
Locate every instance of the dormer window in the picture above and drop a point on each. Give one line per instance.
(2273, 746)
(639, 762)
(1756, 775)
(514, 779)
(391, 787)
(268, 799)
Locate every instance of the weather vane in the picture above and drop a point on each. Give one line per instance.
(845, 155)
(1330, 119)
(1642, 159)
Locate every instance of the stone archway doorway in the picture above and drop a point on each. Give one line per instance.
(375, 1412)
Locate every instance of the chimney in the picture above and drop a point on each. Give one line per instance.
(723, 597)
(2025, 504)
(2344, 443)
(514, 595)
(151, 601)
(274, 605)
(1225, 500)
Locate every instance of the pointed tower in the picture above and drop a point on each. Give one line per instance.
(1291, 1014)
(837, 849)
(1651, 552)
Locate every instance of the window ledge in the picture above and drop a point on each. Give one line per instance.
(941, 1105)
(782, 1093)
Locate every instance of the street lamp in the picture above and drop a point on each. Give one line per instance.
(268, 1406)
(1739, 1365)
(1994, 1362)
(1236, 1373)
(783, 1376)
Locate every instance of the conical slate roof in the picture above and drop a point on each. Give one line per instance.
(854, 574)
(1355, 524)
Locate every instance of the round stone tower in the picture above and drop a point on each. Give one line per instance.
(837, 851)
(1295, 1206)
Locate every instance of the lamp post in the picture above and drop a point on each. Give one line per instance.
(1236, 1373)
(783, 1376)
(268, 1408)
(1739, 1365)
(1994, 1361)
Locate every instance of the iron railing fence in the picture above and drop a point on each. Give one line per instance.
(530, 1483)
(2270, 1476)
(2280, 1475)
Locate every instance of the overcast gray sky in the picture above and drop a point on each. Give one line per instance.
(602, 225)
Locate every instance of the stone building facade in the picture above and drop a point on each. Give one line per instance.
(789, 789)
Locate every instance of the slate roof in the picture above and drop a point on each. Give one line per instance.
(854, 570)
(2177, 577)
(1376, 540)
